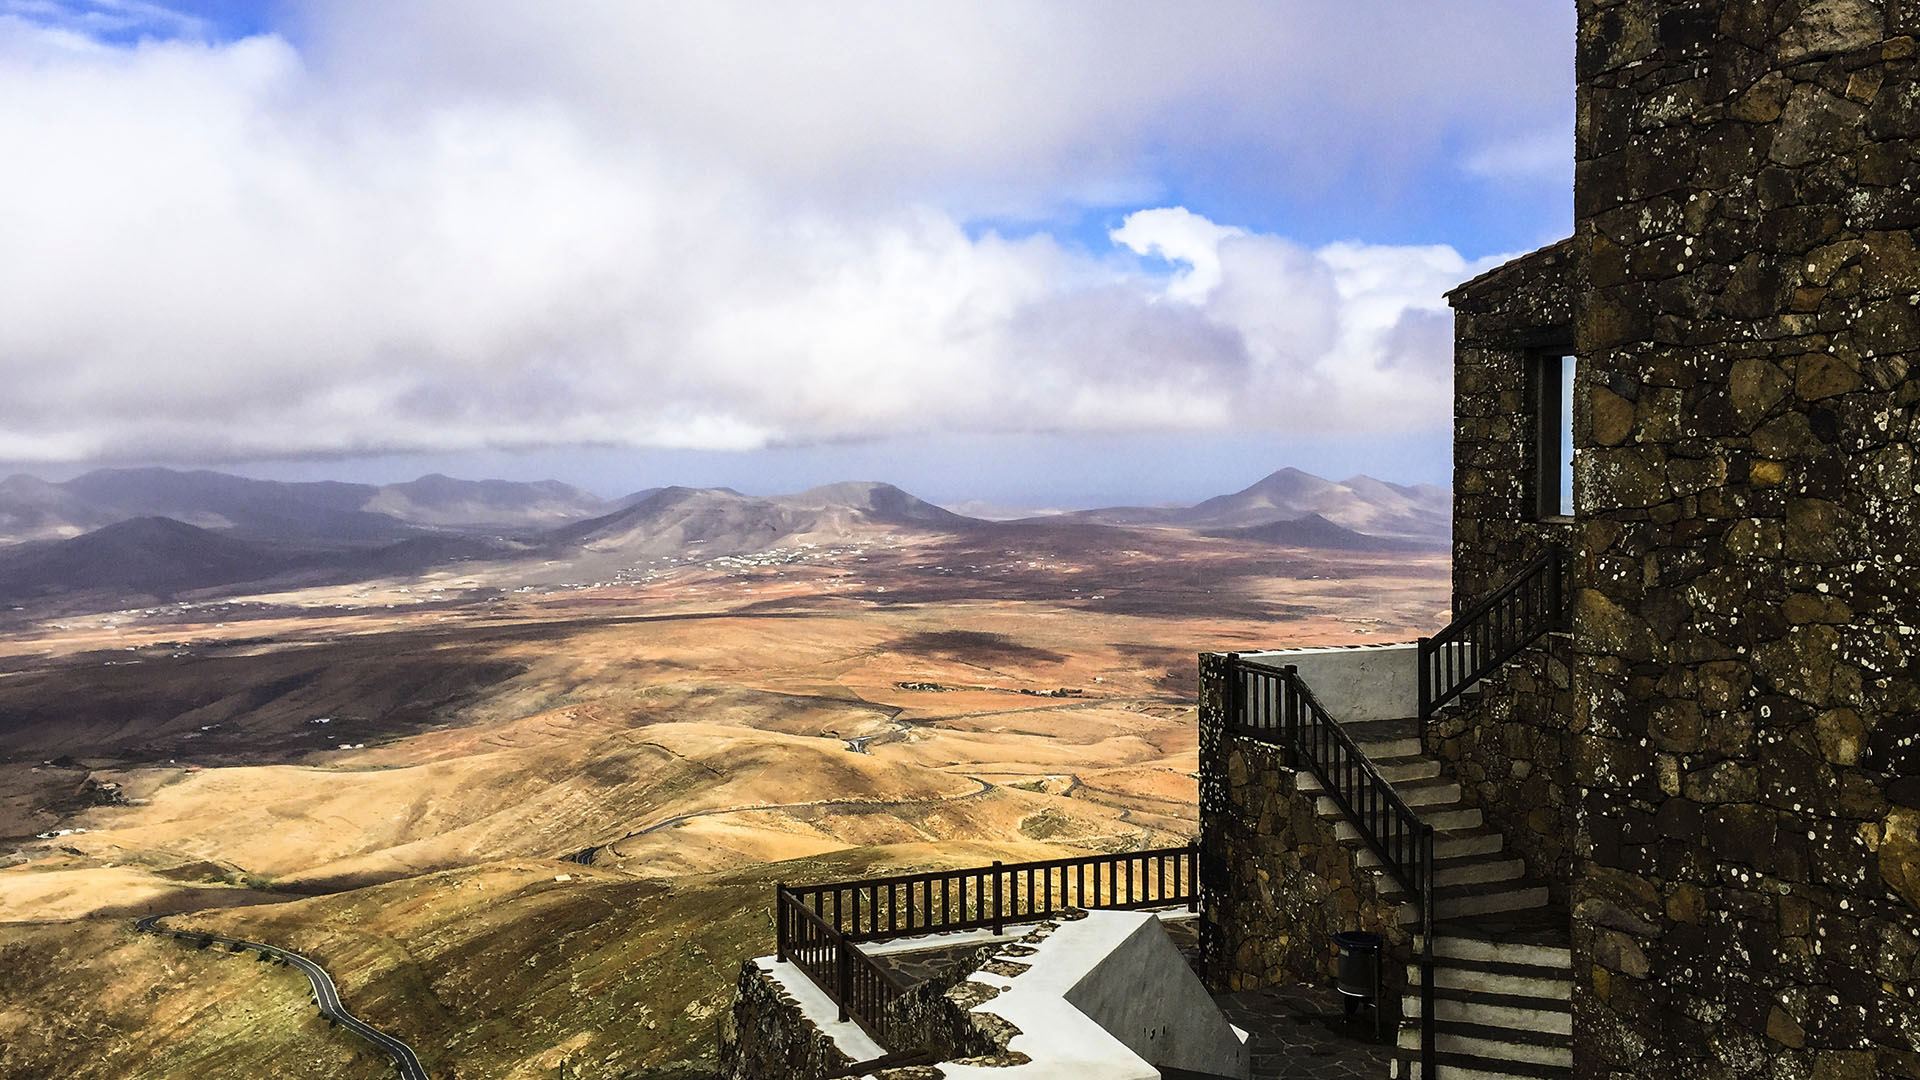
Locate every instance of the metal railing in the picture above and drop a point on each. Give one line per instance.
(819, 928)
(863, 990)
(1274, 705)
(1491, 632)
(874, 909)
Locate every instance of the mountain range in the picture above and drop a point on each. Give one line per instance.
(161, 533)
(1421, 513)
(321, 514)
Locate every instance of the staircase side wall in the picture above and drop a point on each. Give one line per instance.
(1747, 201)
(1509, 744)
(1276, 883)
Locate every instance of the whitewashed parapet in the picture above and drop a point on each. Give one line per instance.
(1356, 683)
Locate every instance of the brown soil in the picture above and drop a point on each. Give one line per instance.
(706, 732)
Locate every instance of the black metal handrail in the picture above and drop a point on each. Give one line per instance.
(818, 928)
(1491, 632)
(1274, 705)
(874, 909)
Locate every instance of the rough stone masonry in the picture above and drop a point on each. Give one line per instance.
(1746, 747)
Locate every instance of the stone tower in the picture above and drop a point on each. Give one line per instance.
(1697, 419)
(1745, 661)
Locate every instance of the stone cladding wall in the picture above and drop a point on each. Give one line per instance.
(1508, 745)
(766, 1035)
(1747, 200)
(1276, 884)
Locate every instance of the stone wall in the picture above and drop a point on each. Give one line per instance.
(767, 1035)
(1747, 900)
(1508, 745)
(1276, 883)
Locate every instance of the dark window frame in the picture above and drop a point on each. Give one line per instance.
(1546, 389)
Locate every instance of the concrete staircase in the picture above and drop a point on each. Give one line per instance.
(1503, 963)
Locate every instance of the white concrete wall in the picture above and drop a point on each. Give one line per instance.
(1369, 682)
(1146, 996)
(1108, 997)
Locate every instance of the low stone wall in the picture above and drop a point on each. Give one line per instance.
(938, 1009)
(768, 1035)
(1277, 885)
(1509, 746)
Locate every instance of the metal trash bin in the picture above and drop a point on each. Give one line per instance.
(1359, 973)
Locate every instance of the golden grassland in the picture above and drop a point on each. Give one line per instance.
(706, 731)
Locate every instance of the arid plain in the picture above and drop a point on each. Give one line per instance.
(391, 775)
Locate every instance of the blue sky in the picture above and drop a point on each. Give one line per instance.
(1033, 254)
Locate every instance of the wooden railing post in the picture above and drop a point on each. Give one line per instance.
(1193, 877)
(998, 916)
(780, 921)
(842, 975)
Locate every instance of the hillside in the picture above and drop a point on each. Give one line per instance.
(390, 778)
(169, 533)
(1361, 504)
(1314, 531)
(722, 522)
(305, 515)
(444, 502)
(153, 556)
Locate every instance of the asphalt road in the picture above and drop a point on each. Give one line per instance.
(325, 994)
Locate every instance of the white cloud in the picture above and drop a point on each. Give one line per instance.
(675, 225)
(1546, 153)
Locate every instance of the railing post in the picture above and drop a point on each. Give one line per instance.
(842, 975)
(998, 918)
(1423, 655)
(1236, 693)
(1290, 713)
(780, 922)
(1426, 954)
(1193, 877)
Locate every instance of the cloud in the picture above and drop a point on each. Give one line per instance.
(701, 226)
(1545, 153)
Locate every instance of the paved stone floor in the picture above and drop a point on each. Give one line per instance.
(912, 968)
(1302, 1033)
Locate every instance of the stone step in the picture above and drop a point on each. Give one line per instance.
(1376, 749)
(1447, 845)
(1472, 870)
(1497, 1046)
(1442, 821)
(1459, 951)
(1469, 1067)
(1460, 900)
(1404, 728)
(1418, 797)
(1395, 771)
(1507, 980)
(1520, 1013)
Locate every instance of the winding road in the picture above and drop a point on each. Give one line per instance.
(585, 856)
(325, 994)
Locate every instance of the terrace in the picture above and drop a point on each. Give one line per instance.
(1081, 966)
